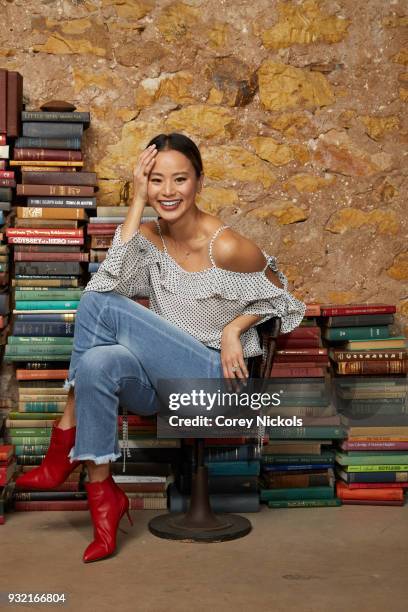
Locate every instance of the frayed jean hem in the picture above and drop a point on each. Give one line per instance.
(69, 384)
(97, 460)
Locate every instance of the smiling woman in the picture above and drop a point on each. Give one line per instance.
(208, 287)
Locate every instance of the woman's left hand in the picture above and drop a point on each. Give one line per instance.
(232, 355)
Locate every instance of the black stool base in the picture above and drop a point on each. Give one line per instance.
(175, 527)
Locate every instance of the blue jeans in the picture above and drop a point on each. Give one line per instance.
(121, 350)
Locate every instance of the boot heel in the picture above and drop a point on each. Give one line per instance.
(128, 515)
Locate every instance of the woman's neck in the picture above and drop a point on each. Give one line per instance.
(186, 228)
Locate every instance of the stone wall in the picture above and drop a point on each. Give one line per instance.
(299, 109)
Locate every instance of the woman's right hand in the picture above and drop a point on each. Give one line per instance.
(141, 173)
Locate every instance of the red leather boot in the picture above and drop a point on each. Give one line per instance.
(107, 504)
(56, 466)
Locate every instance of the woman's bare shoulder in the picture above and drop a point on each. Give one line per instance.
(234, 252)
(149, 230)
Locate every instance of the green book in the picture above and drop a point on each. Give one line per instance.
(356, 333)
(299, 493)
(370, 459)
(304, 503)
(4, 267)
(31, 449)
(42, 407)
(332, 432)
(39, 349)
(37, 357)
(20, 440)
(17, 432)
(55, 294)
(377, 468)
(46, 305)
(50, 340)
(39, 415)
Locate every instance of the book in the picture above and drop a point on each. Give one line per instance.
(3, 101)
(359, 320)
(305, 503)
(46, 129)
(27, 212)
(350, 477)
(320, 492)
(390, 343)
(354, 368)
(14, 103)
(64, 202)
(357, 309)
(355, 333)
(60, 178)
(56, 116)
(47, 154)
(25, 142)
(55, 190)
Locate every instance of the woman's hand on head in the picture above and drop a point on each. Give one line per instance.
(232, 355)
(141, 173)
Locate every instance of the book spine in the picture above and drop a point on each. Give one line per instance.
(48, 294)
(7, 182)
(80, 257)
(47, 268)
(14, 103)
(30, 212)
(362, 368)
(15, 232)
(356, 333)
(3, 101)
(58, 116)
(54, 190)
(47, 154)
(47, 143)
(357, 310)
(59, 178)
(66, 202)
(44, 240)
(26, 506)
(304, 503)
(47, 305)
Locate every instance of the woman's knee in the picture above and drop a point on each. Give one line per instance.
(106, 364)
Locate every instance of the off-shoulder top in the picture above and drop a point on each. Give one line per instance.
(201, 303)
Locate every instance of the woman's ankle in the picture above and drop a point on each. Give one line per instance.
(66, 423)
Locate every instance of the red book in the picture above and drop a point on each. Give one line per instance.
(285, 342)
(47, 154)
(6, 472)
(55, 190)
(7, 174)
(312, 310)
(7, 182)
(45, 240)
(14, 103)
(297, 372)
(3, 140)
(47, 232)
(41, 374)
(378, 485)
(3, 162)
(343, 492)
(21, 256)
(371, 502)
(375, 446)
(278, 365)
(303, 332)
(356, 309)
(27, 506)
(6, 452)
(3, 101)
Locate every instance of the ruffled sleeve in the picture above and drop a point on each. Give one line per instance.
(126, 267)
(269, 301)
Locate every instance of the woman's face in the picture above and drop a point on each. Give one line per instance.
(172, 185)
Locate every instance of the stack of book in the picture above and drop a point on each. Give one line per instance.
(47, 242)
(298, 474)
(11, 104)
(308, 420)
(370, 390)
(101, 230)
(233, 471)
(150, 463)
(7, 470)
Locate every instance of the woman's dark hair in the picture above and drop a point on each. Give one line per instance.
(181, 143)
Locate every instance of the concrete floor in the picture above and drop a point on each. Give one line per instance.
(301, 560)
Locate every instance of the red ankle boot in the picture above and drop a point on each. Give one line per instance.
(107, 504)
(56, 466)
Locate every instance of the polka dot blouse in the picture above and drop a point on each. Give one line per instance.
(201, 303)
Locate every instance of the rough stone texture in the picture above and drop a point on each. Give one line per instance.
(299, 108)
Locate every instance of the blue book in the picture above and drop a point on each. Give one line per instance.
(299, 466)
